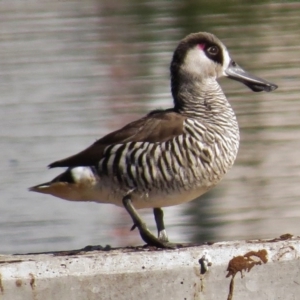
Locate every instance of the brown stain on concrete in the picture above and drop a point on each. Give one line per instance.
(19, 283)
(1, 285)
(286, 236)
(32, 285)
(32, 281)
(283, 237)
(244, 263)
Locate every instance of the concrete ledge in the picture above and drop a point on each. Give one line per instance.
(239, 270)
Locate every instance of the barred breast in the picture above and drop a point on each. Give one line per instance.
(167, 173)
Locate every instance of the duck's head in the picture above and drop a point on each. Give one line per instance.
(202, 55)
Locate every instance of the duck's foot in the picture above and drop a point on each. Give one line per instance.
(159, 220)
(145, 233)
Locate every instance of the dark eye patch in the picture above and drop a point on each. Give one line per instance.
(213, 50)
(214, 53)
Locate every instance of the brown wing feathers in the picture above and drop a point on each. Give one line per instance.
(157, 126)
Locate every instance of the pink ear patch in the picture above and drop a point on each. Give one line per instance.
(201, 46)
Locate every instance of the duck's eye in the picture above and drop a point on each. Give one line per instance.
(213, 50)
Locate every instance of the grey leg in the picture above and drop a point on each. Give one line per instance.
(159, 220)
(145, 233)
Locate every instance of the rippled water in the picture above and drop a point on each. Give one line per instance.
(72, 71)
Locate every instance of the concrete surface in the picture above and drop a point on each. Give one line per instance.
(267, 269)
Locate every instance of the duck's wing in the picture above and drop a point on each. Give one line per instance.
(157, 126)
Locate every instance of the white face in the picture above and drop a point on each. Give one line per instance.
(226, 60)
(198, 64)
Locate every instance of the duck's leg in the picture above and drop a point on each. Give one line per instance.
(145, 233)
(160, 225)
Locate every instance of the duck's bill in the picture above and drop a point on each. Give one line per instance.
(256, 84)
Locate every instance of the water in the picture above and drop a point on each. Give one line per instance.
(73, 71)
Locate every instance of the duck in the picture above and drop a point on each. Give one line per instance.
(170, 156)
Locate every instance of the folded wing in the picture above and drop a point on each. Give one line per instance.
(157, 126)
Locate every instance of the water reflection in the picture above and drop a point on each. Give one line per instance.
(73, 71)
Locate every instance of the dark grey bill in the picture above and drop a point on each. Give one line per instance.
(256, 84)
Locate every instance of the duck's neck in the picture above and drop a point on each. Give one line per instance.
(203, 99)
